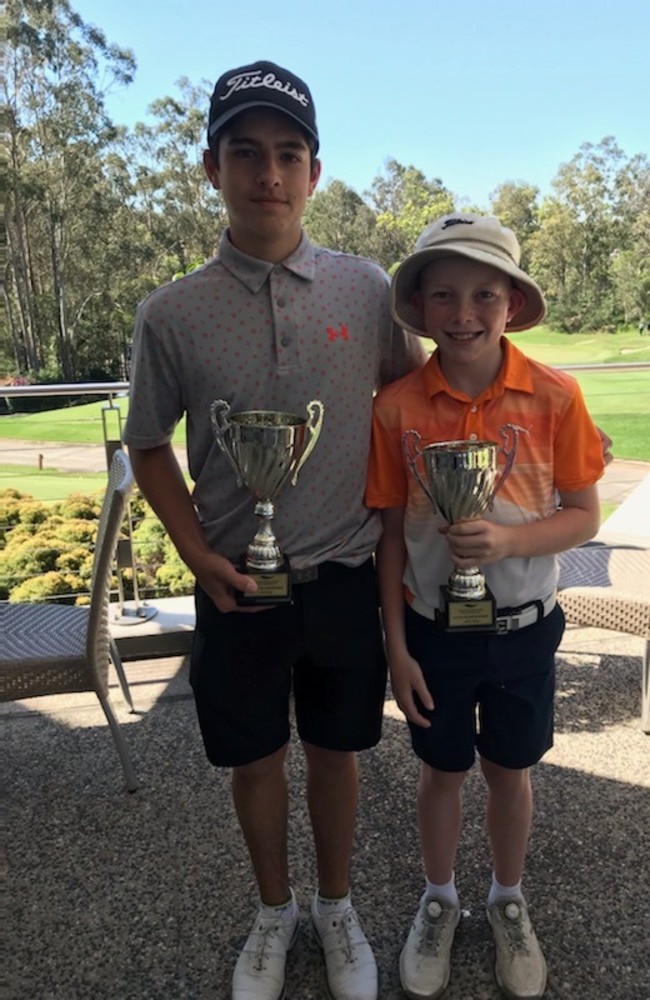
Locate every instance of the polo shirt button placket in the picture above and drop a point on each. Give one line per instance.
(472, 435)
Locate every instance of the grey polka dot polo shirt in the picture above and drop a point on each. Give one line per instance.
(272, 336)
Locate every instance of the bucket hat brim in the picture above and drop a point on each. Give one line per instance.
(406, 278)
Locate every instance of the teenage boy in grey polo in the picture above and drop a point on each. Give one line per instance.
(272, 323)
(316, 326)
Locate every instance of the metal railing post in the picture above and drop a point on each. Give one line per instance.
(125, 557)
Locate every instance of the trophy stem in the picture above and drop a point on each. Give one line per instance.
(264, 553)
(467, 584)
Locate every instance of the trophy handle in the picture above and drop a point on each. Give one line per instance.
(500, 480)
(412, 454)
(315, 410)
(219, 418)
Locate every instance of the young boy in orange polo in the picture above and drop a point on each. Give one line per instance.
(488, 692)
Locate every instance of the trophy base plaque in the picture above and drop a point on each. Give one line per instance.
(463, 615)
(273, 586)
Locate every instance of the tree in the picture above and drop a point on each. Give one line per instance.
(515, 205)
(183, 214)
(98, 215)
(553, 260)
(58, 131)
(631, 257)
(338, 217)
(584, 228)
(404, 202)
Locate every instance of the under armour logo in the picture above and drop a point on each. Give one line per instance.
(333, 333)
(458, 222)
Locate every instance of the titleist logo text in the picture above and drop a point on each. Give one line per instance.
(246, 81)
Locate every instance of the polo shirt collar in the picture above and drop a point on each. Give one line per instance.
(515, 373)
(253, 272)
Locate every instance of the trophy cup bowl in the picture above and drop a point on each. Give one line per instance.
(266, 448)
(461, 476)
(460, 479)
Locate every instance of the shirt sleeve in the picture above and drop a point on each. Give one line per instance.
(578, 456)
(387, 484)
(401, 352)
(155, 395)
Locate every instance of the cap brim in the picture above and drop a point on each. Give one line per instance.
(219, 123)
(405, 282)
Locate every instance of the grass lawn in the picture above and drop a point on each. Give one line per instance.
(49, 484)
(553, 348)
(73, 424)
(619, 401)
(620, 404)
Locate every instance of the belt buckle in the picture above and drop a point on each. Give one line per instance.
(502, 626)
(306, 575)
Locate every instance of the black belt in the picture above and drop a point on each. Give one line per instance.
(330, 569)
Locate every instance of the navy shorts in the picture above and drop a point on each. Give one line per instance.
(492, 693)
(326, 647)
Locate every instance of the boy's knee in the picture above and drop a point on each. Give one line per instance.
(506, 778)
(431, 778)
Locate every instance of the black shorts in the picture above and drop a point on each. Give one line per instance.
(327, 647)
(492, 693)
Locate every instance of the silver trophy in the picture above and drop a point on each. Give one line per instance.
(460, 480)
(266, 448)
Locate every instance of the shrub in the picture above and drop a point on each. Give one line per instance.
(79, 507)
(76, 560)
(28, 557)
(173, 576)
(40, 588)
(11, 506)
(33, 513)
(148, 541)
(76, 532)
(47, 551)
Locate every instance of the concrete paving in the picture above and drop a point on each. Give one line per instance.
(62, 457)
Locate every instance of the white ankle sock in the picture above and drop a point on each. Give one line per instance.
(285, 910)
(447, 891)
(501, 893)
(326, 906)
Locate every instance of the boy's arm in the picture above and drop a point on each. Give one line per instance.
(406, 676)
(160, 478)
(483, 542)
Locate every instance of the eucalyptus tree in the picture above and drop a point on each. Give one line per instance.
(404, 201)
(183, 215)
(631, 256)
(337, 217)
(57, 210)
(515, 204)
(580, 233)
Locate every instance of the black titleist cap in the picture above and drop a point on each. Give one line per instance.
(261, 85)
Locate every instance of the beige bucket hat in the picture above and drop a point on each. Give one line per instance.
(479, 237)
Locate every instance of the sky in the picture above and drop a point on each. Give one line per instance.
(472, 92)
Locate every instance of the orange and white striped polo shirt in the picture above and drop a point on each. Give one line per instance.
(547, 442)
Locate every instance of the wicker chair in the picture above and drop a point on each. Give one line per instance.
(608, 586)
(57, 648)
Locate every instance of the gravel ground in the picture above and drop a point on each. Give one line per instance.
(149, 896)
